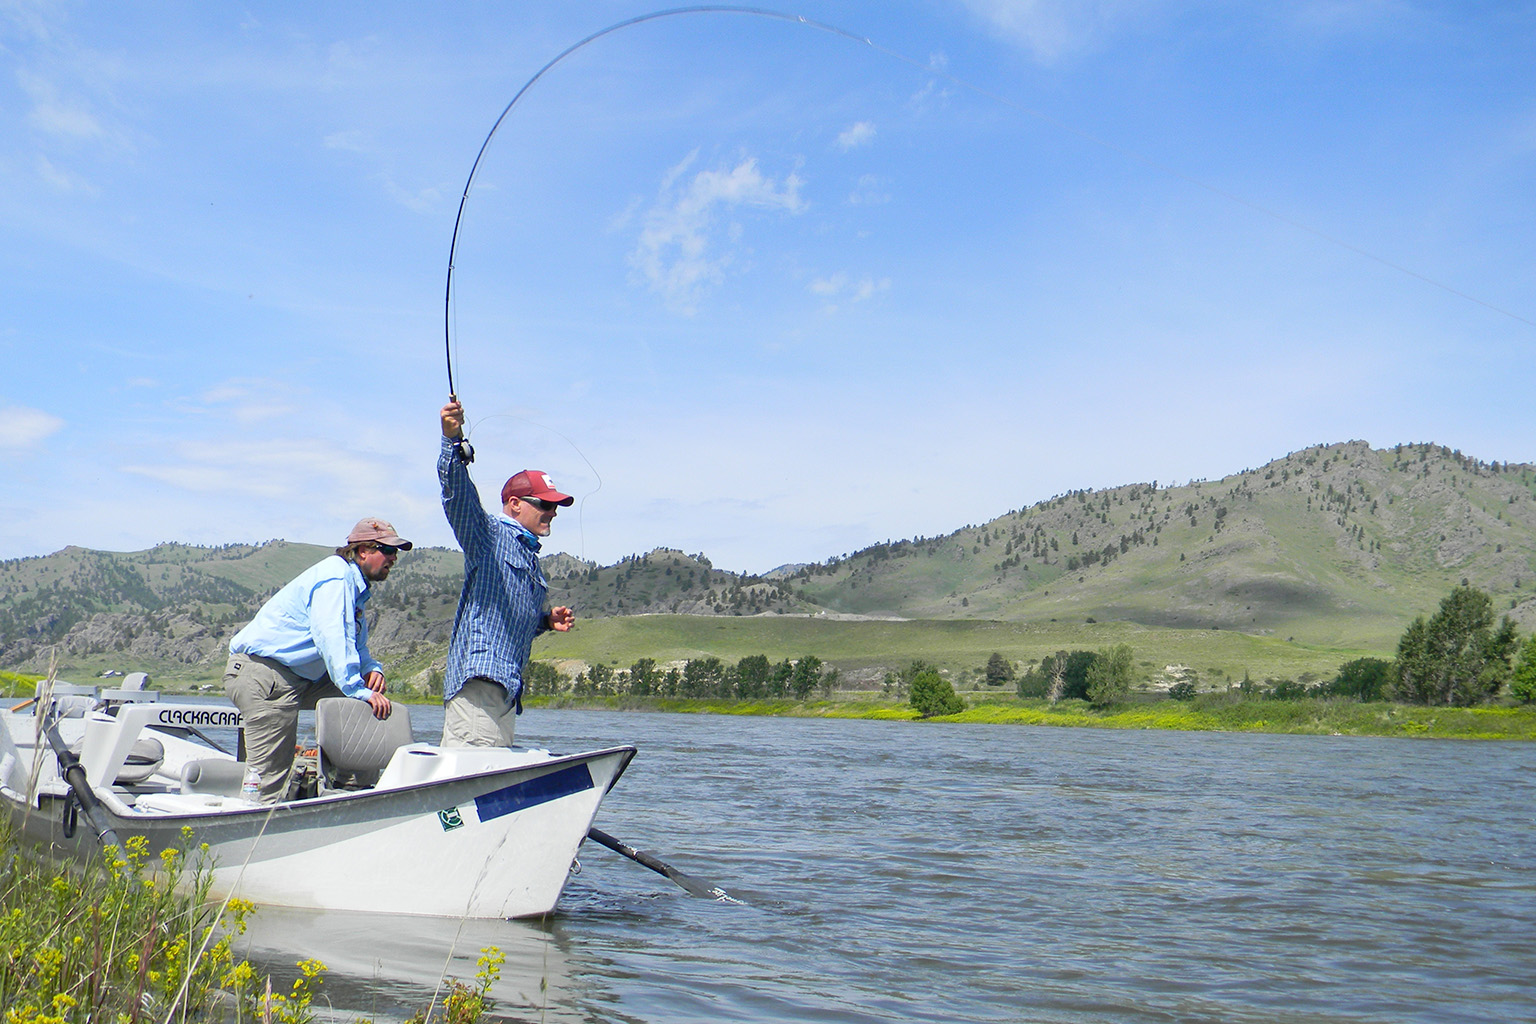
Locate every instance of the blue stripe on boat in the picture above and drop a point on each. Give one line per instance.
(537, 791)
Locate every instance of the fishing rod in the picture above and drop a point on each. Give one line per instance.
(926, 67)
(453, 244)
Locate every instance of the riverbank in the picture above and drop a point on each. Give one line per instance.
(1211, 713)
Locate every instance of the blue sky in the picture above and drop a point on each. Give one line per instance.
(744, 286)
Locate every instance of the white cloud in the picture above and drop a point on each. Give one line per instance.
(249, 401)
(861, 133)
(352, 140)
(270, 469)
(54, 115)
(1054, 28)
(423, 200)
(843, 287)
(869, 190)
(60, 179)
(680, 251)
(21, 428)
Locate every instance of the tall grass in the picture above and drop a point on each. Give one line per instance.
(130, 939)
(121, 939)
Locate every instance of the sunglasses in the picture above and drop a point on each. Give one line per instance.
(386, 549)
(541, 504)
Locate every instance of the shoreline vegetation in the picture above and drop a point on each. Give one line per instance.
(124, 936)
(1208, 713)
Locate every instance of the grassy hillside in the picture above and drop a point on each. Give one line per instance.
(1337, 545)
(1298, 565)
(865, 649)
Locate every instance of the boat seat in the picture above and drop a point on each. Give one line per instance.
(66, 700)
(213, 776)
(144, 758)
(354, 747)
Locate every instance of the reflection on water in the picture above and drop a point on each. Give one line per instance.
(389, 968)
(930, 872)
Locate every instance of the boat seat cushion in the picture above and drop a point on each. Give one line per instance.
(146, 756)
(212, 775)
(352, 742)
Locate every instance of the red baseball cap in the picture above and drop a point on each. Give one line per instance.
(533, 483)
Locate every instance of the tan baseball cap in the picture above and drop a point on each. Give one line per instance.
(379, 531)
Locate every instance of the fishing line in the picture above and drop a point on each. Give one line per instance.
(928, 68)
(641, 19)
(581, 519)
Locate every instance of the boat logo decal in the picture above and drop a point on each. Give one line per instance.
(450, 819)
(537, 791)
(199, 716)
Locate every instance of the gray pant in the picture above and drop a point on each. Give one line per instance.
(478, 716)
(270, 695)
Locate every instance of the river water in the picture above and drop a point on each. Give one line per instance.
(898, 871)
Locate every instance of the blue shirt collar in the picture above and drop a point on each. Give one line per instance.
(524, 536)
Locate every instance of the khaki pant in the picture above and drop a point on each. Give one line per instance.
(478, 716)
(270, 695)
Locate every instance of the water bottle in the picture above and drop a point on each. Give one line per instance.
(250, 789)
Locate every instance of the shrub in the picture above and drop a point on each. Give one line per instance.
(1363, 678)
(932, 695)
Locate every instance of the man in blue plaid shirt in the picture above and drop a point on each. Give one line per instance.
(501, 608)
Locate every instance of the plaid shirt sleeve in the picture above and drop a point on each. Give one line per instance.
(501, 608)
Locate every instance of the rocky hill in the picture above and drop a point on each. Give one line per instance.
(1338, 544)
(175, 606)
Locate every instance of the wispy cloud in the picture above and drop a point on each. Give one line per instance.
(249, 402)
(60, 179)
(53, 114)
(861, 133)
(269, 469)
(842, 287)
(682, 250)
(351, 140)
(869, 190)
(21, 428)
(1051, 29)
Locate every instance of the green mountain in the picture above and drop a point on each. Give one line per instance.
(1337, 546)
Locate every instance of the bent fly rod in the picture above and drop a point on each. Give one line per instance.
(628, 23)
(926, 67)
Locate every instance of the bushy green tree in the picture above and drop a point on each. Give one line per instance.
(932, 695)
(1364, 678)
(752, 674)
(1522, 682)
(1184, 689)
(999, 669)
(643, 677)
(702, 677)
(806, 675)
(539, 679)
(1458, 657)
(1060, 676)
(1109, 675)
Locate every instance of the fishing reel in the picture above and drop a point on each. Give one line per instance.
(464, 450)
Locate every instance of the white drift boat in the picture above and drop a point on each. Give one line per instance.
(393, 826)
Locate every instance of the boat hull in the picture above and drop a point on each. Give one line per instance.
(474, 840)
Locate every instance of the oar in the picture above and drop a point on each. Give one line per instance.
(69, 768)
(694, 886)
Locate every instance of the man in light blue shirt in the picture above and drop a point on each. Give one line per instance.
(309, 641)
(501, 608)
